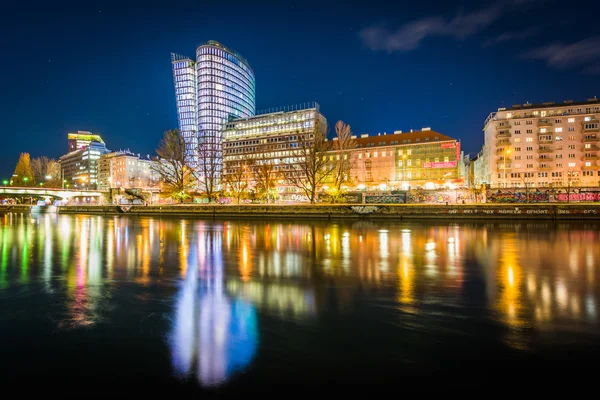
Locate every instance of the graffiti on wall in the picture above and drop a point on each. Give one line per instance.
(386, 199)
(440, 196)
(582, 196)
(541, 196)
(517, 196)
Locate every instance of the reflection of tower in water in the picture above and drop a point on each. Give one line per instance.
(213, 335)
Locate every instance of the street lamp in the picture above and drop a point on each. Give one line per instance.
(506, 154)
(5, 182)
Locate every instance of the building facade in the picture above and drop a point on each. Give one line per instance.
(127, 170)
(401, 161)
(79, 168)
(215, 87)
(81, 139)
(543, 145)
(269, 139)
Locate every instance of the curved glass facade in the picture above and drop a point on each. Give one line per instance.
(226, 91)
(215, 88)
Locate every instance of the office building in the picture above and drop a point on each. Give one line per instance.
(81, 139)
(215, 87)
(406, 160)
(542, 145)
(80, 167)
(270, 138)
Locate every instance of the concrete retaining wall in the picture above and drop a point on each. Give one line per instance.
(487, 211)
(17, 208)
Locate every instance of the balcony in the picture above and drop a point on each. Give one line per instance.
(545, 122)
(503, 142)
(591, 126)
(503, 127)
(590, 168)
(546, 168)
(590, 158)
(503, 135)
(545, 140)
(590, 139)
(592, 148)
(545, 150)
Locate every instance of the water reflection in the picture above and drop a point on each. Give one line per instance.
(219, 282)
(213, 334)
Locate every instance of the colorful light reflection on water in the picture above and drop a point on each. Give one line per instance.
(212, 296)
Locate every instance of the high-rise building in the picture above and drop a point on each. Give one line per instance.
(543, 145)
(269, 138)
(215, 87)
(82, 139)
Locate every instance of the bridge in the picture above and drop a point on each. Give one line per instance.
(48, 192)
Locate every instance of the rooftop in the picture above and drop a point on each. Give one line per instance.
(424, 136)
(551, 104)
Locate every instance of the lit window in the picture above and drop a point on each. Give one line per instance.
(543, 130)
(588, 164)
(529, 139)
(571, 164)
(558, 130)
(571, 119)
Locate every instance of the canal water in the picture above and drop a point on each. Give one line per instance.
(229, 307)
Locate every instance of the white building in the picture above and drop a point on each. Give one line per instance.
(543, 145)
(127, 170)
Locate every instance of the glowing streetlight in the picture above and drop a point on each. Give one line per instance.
(5, 182)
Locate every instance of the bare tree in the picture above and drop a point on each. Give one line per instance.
(46, 171)
(265, 175)
(209, 168)
(311, 165)
(174, 167)
(236, 178)
(344, 159)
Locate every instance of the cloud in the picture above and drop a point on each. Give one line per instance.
(410, 36)
(564, 56)
(510, 36)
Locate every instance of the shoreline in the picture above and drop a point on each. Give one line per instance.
(539, 211)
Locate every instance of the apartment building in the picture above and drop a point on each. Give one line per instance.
(406, 160)
(543, 145)
(127, 170)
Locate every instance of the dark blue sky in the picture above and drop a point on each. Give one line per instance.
(378, 66)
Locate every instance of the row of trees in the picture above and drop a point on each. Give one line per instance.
(40, 171)
(313, 162)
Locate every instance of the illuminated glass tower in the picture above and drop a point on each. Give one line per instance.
(216, 87)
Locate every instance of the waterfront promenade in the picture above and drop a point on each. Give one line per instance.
(582, 211)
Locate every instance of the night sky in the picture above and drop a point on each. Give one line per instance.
(379, 66)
